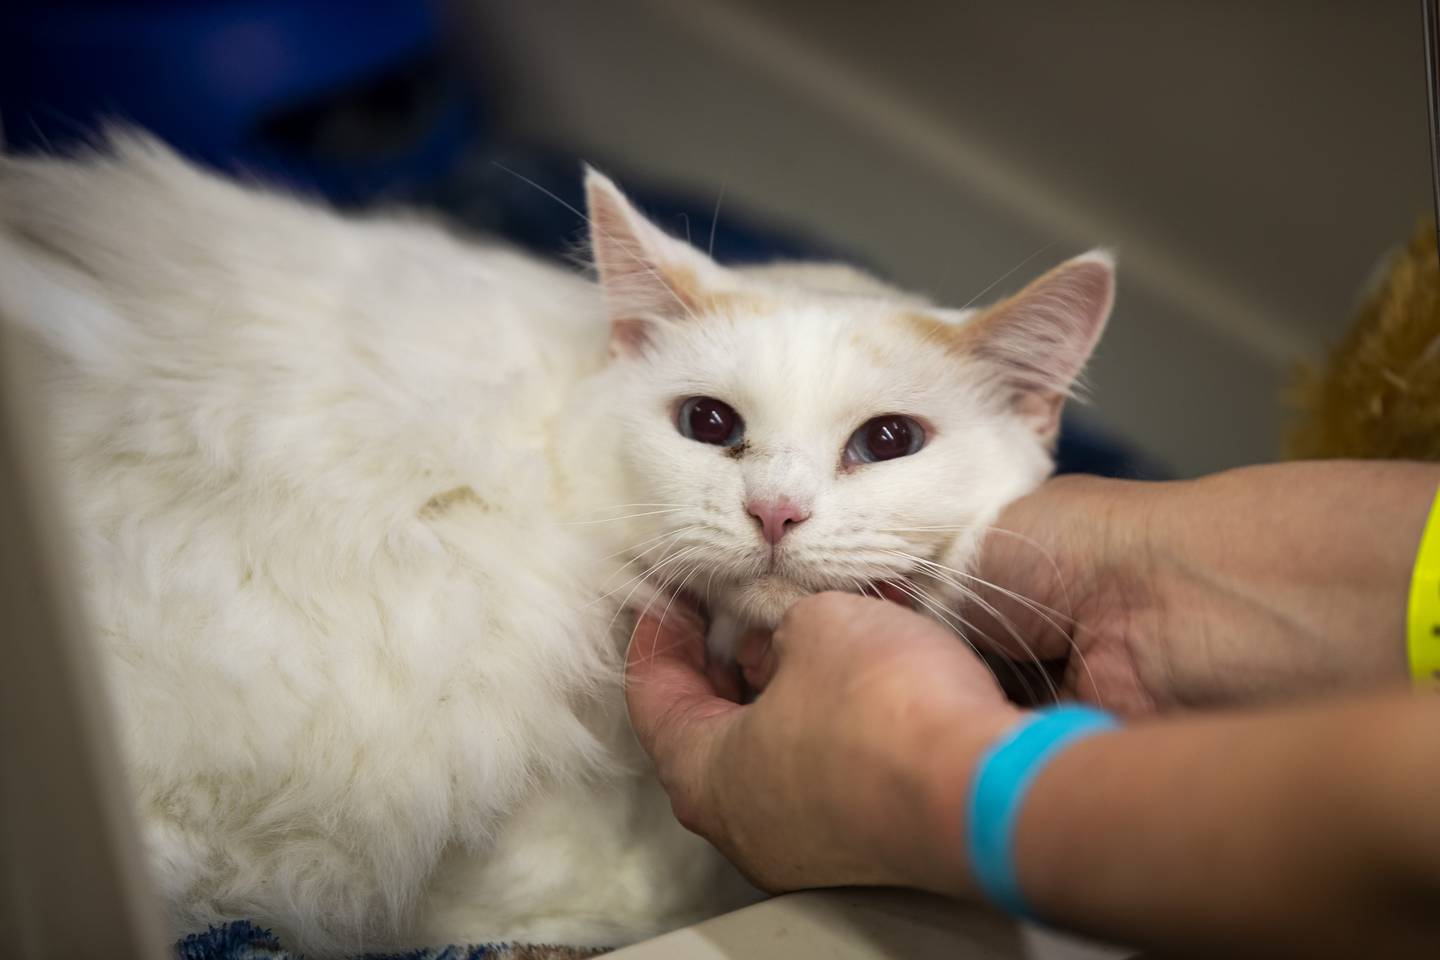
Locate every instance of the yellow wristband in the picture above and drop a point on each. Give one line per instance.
(1424, 614)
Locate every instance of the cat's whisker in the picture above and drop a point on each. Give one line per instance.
(715, 218)
(643, 547)
(694, 569)
(1007, 274)
(638, 583)
(1045, 612)
(628, 506)
(1028, 541)
(670, 539)
(867, 589)
(1040, 549)
(1074, 647)
(1039, 609)
(1005, 532)
(960, 628)
(665, 586)
(932, 336)
(595, 228)
(940, 573)
(663, 561)
(947, 575)
(647, 541)
(628, 516)
(938, 607)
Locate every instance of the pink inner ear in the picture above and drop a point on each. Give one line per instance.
(1040, 339)
(646, 276)
(1041, 411)
(1043, 335)
(615, 236)
(628, 335)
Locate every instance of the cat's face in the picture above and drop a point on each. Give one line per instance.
(792, 430)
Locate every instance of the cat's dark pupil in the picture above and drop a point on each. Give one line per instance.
(888, 438)
(711, 421)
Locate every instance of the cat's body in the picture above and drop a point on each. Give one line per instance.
(361, 509)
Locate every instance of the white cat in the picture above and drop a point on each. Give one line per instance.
(362, 509)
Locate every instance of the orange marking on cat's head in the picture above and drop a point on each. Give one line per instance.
(949, 337)
(872, 343)
(702, 299)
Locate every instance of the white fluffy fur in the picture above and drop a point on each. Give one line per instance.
(345, 495)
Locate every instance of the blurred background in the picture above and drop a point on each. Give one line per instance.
(1251, 162)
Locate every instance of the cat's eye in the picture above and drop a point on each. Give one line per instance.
(708, 420)
(885, 438)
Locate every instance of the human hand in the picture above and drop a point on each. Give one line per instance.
(850, 766)
(1250, 585)
(1067, 576)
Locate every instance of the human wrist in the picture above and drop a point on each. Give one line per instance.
(1289, 578)
(945, 761)
(1116, 528)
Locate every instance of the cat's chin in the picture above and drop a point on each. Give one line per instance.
(762, 602)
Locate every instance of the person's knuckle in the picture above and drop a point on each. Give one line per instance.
(803, 608)
(692, 812)
(688, 815)
(816, 616)
(816, 608)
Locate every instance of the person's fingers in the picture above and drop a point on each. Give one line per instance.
(893, 592)
(1035, 566)
(757, 660)
(668, 627)
(725, 677)
(816, 619)
(666, 685)
(677, 711)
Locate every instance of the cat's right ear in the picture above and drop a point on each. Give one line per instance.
(1037, 341)
(646, 276)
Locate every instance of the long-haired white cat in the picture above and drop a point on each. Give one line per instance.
(362, 508)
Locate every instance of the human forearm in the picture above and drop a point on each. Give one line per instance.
(1289, 578)
(1300, 832)
(1255, 584)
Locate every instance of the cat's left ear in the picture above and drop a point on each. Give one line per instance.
(646, 276)
(1037, 342)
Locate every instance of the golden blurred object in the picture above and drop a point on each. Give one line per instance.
(1378, 394)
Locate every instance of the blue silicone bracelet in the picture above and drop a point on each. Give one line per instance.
(1003, 778)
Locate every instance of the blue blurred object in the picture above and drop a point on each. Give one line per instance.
(352, 100)
(349, 99)
(1086, 448)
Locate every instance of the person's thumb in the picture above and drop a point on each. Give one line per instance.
(757, 659)
(675, 707)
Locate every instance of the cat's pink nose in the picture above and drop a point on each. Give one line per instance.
(777, 517)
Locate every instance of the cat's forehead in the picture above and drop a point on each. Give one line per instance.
(821, 332)
(829, 353)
